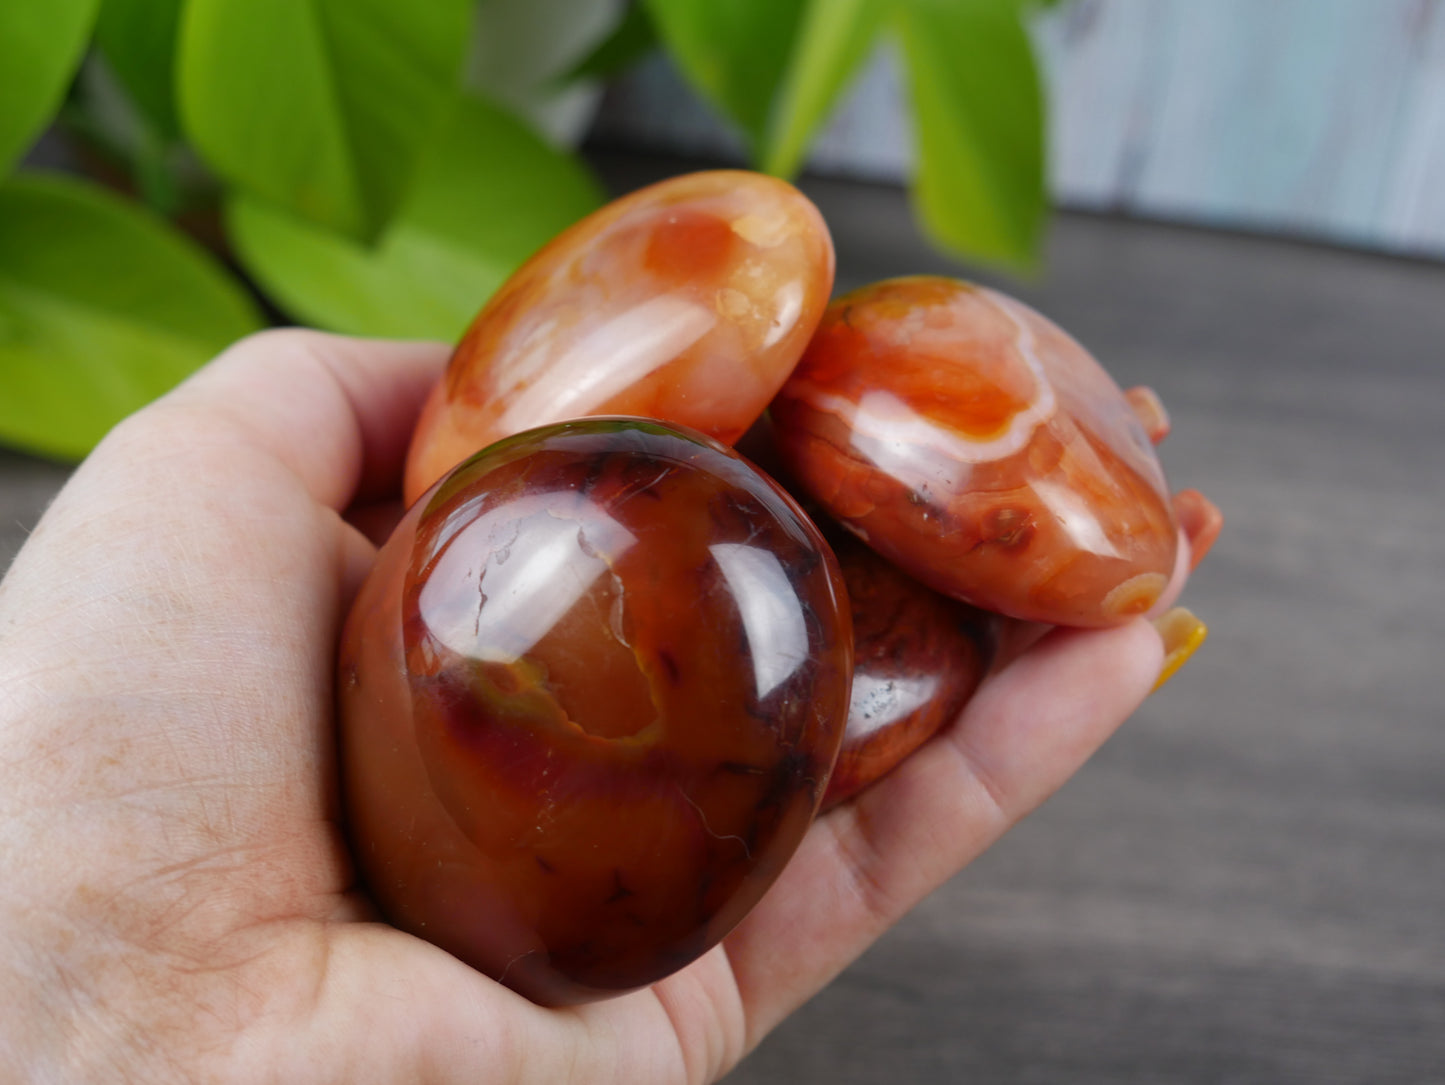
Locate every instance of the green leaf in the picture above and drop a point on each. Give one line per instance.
(833, 39)
(321, 107)
(775, 67)
(978, 114)
(41, 43)
(630, 40)
(138, 40)
(103, 307)
(734, 51)
(490, 193)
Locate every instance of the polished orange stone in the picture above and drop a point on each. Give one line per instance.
(688, 301)
(590, 698)
(975, 444)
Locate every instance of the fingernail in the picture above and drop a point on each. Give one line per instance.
(1182, 633)
(1201, 520)
(1149, 409)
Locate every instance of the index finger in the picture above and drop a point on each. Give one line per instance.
(337, 411)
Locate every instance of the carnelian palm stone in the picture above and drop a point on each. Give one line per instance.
(918, 657)
(688, 301)
(976, 445)
(590, 696)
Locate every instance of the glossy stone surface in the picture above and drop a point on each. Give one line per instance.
(917, 659)
(688, 301)
(590, 698)
(975, 444)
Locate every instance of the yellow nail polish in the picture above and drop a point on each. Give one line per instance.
(1182, 633)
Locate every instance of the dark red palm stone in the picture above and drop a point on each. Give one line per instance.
(918, 657)
(590, 698)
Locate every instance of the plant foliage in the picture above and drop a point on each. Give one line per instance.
(333, 162)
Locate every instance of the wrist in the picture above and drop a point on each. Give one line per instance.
(65, 1011)
(37, 1029)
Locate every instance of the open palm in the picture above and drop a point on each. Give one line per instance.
(176, 898)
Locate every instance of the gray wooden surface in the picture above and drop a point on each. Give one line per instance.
(1248, 884)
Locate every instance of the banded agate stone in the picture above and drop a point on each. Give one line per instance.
(918, 657)
(590, 698)
(689, 301)
(973, 443)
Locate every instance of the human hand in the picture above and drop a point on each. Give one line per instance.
(176, 897)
